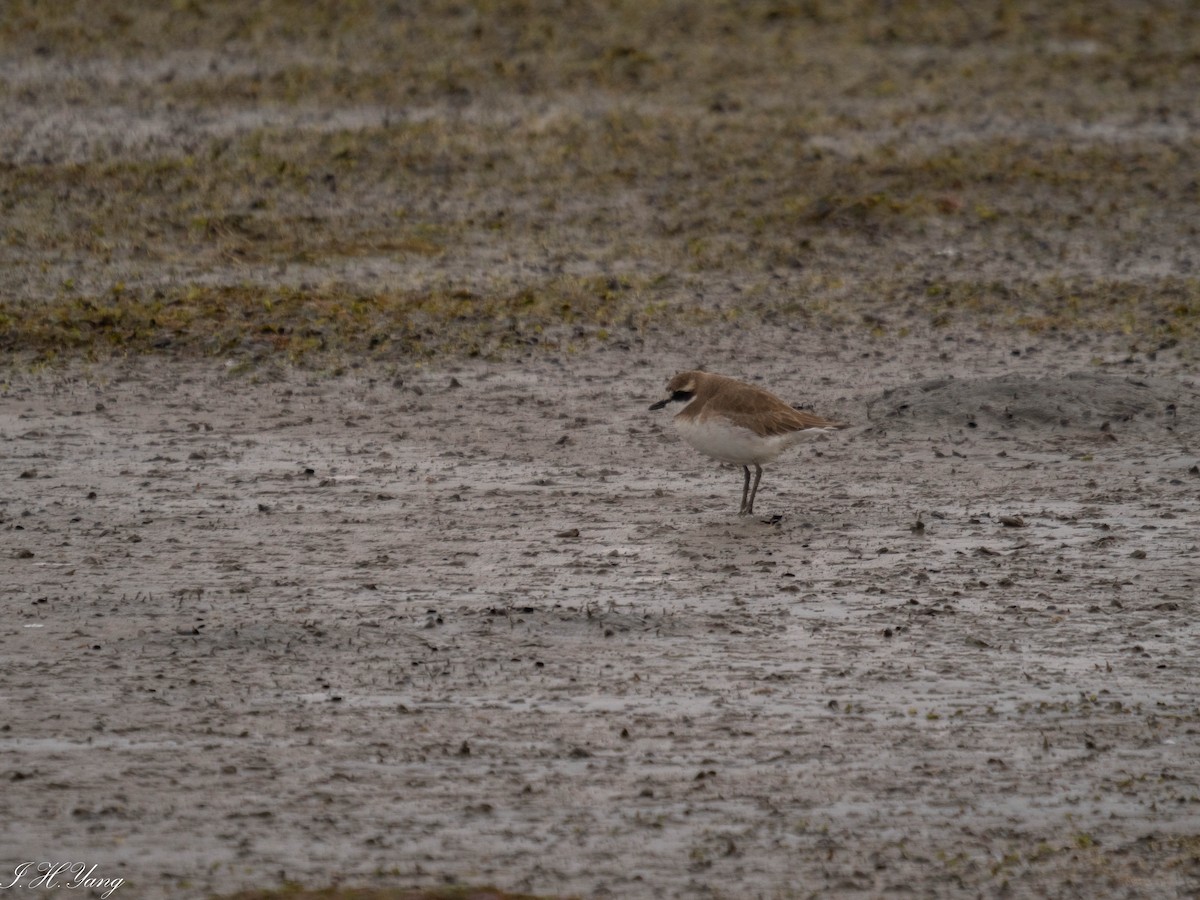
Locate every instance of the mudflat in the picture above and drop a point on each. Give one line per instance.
(340, 545)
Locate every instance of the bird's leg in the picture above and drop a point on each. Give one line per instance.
(748, 509)
(745, 491)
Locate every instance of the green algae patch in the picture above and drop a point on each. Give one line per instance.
(312, 324)
(306, 322)
(221, 179)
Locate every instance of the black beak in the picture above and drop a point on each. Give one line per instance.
(676, 397)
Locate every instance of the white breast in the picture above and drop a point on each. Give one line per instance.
(721, 439)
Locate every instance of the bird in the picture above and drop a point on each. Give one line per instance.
(739, 423)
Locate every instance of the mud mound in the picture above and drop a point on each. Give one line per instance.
(1079, 401)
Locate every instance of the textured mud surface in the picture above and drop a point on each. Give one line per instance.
(339, 545)
(493, 622)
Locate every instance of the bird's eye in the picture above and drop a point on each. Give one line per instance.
(680, 396)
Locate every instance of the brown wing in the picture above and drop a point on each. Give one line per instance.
(782, 420)
(765, 414)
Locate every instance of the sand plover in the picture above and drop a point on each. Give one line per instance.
(739, 423)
